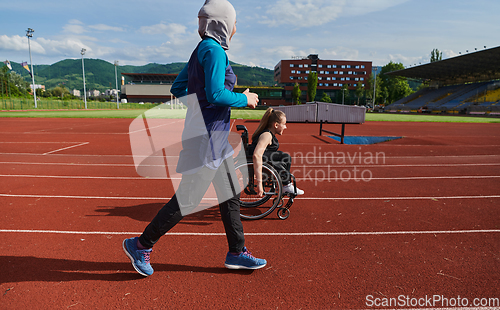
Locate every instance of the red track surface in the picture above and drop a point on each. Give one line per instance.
(424, 221)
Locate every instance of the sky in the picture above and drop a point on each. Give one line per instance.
(153, 31)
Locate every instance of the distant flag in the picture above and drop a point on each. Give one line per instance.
(7, 63)
(25, 66)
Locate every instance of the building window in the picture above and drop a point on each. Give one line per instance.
(361, 79)
(342, 79)
(328, 78)
(293, 71)
(307, 71)
(335, 84)
(320, 84)
(326, 84)
(334, 79)
(363, 85)
(291, 65)
(357, 67)
(341, 72)
(298, 72)
(320, 66)
(350, 72)
(343, 67)
(362, 66)
(334, 66)
(347, 79)
(349, 66)
(327, 72)
(320, 78)
(335, 72)
(322, 72)
(329, 66)
(305, 66)
(300, 66)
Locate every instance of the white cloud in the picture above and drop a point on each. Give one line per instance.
(103, 27)
(73, 28)
(18, 43)
(308, 13)
(170, 30)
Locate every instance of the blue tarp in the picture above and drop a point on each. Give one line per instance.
(364, 140)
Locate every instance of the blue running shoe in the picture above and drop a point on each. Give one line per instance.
(139, 258)
(244, 260)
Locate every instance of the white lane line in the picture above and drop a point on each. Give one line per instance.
(297, 198)
(298, 179)
(65, 148)
(294, 167)
(398, 198)
(85, 197)
(38, 142)
(81, 177)
(354, 233)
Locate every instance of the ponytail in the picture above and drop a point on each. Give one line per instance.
(270, 117)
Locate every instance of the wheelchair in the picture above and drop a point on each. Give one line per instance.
(253, 207)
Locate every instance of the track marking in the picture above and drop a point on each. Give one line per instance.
(82, 177)
(293, 166)
(354, 233)
(65, 148)
(299, 179)
(297, 198)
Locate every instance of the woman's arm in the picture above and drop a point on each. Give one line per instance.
(265, 139)
(214, 61)
(179, 88)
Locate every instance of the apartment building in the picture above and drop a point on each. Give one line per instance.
(332, 74)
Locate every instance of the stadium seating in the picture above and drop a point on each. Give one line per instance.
(455, 98)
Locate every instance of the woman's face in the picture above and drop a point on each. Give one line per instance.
(234, 31)
(279, 127)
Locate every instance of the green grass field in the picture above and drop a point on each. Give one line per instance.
(240, 114)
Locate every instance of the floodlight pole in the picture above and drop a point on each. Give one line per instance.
(374, 86)
(116, 80)
(29, 34)
(83, 70)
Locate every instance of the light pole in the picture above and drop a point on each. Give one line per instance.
(29, 34)
(116, 80)
(83, 70)
(374, 86)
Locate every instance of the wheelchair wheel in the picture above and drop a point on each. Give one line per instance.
(254, 207)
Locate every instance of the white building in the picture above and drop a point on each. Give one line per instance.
(76, 93)
(93, 93)
(111, 92)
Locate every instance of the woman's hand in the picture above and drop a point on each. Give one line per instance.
(252, 98)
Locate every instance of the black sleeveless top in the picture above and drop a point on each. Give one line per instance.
(269, 149)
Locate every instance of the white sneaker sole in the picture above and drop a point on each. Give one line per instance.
(228, 266)
(132, 260)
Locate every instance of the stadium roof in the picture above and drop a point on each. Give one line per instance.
(472, 67)
(151, 77)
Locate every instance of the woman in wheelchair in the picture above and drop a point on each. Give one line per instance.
(264, 148)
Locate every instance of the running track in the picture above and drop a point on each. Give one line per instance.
(422, 218)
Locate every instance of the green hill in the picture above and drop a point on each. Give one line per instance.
(100, 74)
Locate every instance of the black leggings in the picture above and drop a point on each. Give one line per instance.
(280, 161)
(192, 188)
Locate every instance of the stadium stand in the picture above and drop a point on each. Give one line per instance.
(464, 84)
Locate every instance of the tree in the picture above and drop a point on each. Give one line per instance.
(360, 91)
(392, 88)
(325, 98)
(344, 92)
(436, 55)
(296, 93)
(312, 84)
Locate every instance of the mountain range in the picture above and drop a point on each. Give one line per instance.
(100, 74)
